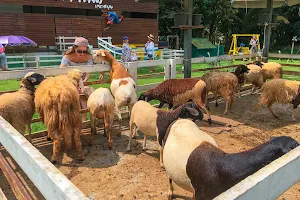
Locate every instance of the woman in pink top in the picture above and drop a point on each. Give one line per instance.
(3, 59)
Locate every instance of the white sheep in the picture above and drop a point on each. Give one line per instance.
(194, 162)
(155, 122)
(101, 105)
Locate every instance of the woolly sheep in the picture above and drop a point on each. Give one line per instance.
(223, 83)
(176, 92)
(101, 105)
(17, 108)
(122, 85)
(57, 103)
(155, 122)
(270, 70)
(280, 91)
(194, 162)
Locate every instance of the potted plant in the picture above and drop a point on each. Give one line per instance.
(180, 19)
(197, 19)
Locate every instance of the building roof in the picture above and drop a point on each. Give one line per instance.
(202, 43)
(262, 3)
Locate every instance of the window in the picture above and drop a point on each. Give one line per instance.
(11, 8)
(139, 15)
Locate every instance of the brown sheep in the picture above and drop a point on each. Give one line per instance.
(280, 91)
(57, 103)
(17, 108)
(270, 70)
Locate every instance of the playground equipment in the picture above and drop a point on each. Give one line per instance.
(234, 45)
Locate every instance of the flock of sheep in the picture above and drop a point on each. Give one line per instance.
(190, 156)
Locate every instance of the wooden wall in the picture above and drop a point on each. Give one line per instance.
(43, 28)
(118, 5)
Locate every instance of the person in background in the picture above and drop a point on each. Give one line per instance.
(78, 55)
(126, 50)
(3, 59)
(149, 48)
(240, 50)
(254, 45)
(111, 18)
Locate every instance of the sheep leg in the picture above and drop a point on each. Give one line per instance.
(78, 144)
(293, 114)
(216, 98)
(144, 143)
(253, 89)
(108, 128)
(132, 129)
(118, 111)
(56, 150)
(270, 109)
(161, 104)
(171, 189)
(239, 91)
(93, 130)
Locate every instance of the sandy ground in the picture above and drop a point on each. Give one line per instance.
(115, 174)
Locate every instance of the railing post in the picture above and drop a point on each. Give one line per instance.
(172, 68)
(132, 69)
(64, 43)
(37, 59)
(60, 45)
(24, 63)
(167, 70)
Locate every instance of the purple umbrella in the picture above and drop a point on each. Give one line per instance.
(16, 40)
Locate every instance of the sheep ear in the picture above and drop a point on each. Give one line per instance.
(193, 111)
(103, 53)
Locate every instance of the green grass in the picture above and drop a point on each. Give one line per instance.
(6, 85)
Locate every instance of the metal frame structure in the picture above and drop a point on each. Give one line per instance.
(233, 46)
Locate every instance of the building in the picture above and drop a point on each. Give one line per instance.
(43, 20)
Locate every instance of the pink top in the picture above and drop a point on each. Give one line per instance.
(1, 48)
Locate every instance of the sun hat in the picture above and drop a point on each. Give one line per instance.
(126, 38)
(81, 42)
(150, 37)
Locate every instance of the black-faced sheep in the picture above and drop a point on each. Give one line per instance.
(176, 92)
(155, 122)
(57, 103)
(224, 83)
(255, 77)
(194, 162)
(17, 108)
(280, 91)
(101, 106)
(122, 85)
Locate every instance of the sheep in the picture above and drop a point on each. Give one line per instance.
(270, 70)
(194, 162)
(101, 105)
(17, 108)
(155, 122)
(255, 77)
(176, 92)
(122, 85)
(57, 103)
(280, 91)
(223, 83)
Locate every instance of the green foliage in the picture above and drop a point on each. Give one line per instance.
(220, 18)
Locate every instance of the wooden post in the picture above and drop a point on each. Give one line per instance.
(132, 69)
(167, 70)
(268, 31)
(172, 68)
(188, 8)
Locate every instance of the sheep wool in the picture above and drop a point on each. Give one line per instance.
(279, 91)
(57, 103)
(17, 108)
(223, 83)
(101, 105)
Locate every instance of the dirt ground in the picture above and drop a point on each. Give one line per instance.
(115, 174)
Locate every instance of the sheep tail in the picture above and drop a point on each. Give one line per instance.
(65, 124)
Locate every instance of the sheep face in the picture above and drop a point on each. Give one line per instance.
(34, 78)
(241, 69)
(258, 63)
(191, 111)
(99, 56)
(144, 97)
(76, 76)
(284, 143)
